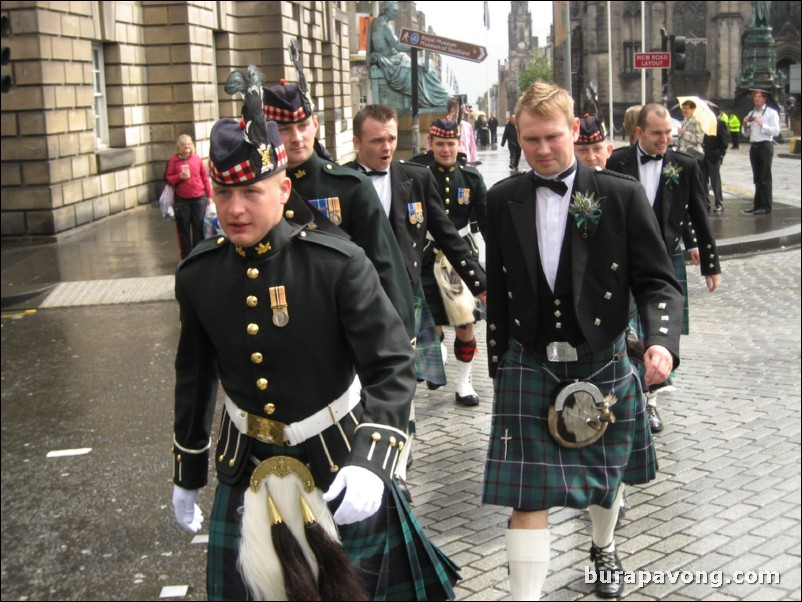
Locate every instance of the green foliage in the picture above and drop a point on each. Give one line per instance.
(540, 68)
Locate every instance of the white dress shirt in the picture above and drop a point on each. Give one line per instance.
(765, 132)
(382, 186)
(649, 175)
(552, 214)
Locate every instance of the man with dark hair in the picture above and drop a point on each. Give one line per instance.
(510, 137)
(285, 317)
(566, 247)
(761, 125)
(342, 195)
(674, 189)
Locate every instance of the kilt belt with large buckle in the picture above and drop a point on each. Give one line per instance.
(278, 433)
(562, 351)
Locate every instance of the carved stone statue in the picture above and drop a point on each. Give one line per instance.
(761, 14)
(391, 61)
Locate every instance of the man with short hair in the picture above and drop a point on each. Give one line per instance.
(342, 195)
(510, 137)
(566, 246)
(673, 184)
(761, 125)
(285, 317)
(463, 193)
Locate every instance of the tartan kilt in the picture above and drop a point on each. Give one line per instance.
(534, 472)
(428, 357)
(392, 554)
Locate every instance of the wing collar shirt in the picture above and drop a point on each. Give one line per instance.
(552, 215)
(382, 185)
(649, 175)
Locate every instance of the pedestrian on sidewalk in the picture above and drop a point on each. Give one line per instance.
(511, 136)
(566, 247)
(761, 125)
(492, 123)
(631, 122)
(186, 173)
(735, 129)
(303, 314)
(715, 147)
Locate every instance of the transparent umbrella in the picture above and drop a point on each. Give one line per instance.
(703, 113)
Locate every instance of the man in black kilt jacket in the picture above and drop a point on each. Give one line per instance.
(566, 246)
(284, 317)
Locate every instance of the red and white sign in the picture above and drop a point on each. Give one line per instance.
(652, 60)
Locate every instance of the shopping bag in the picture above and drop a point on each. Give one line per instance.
(166, 201)
(211, 225)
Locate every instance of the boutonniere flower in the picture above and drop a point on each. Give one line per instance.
(671, 174)
(586, 209)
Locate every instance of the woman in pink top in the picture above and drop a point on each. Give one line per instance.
(187, 174)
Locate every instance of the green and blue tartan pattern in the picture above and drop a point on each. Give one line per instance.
(528, 470)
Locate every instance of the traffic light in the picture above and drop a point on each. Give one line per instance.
(5, 55)
(678, 52)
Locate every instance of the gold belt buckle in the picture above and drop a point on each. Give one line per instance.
(266, 430)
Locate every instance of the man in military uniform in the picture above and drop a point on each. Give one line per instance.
(285, 317)
(566, 246)
(592, 147)
(342, 195)
(673, 184)
(463, 193)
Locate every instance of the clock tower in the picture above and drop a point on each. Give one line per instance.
(522, 47)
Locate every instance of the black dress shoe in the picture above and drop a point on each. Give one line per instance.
(468, 400)
(751, 210)
(431, 386)
(609, 573)
(761, 211)
(655, 424)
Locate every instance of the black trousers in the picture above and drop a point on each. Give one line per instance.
(760, 156)
(515, 155)
(189, 215)
(712, 173)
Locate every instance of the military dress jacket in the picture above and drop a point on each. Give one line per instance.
(338, 323)
(616, 256)
(462, 190)
(348, 199)
(415, 209)
(679, 203)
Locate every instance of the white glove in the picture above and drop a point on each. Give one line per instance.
(187, 512)
(363, 494)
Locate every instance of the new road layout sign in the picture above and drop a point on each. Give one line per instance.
(652, 60)
(426, 41)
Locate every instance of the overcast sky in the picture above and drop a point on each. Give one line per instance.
(463, 21)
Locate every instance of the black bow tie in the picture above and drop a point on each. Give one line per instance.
(646, 158)
(557, 186)
(372, 172)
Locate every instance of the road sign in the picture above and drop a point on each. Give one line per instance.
(426, 41)
(652, 60)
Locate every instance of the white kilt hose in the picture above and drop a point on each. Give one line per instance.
(528, 470)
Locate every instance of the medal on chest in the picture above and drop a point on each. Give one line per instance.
(278, 303)
(463, 196)
(329, 207)
(415, 212)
